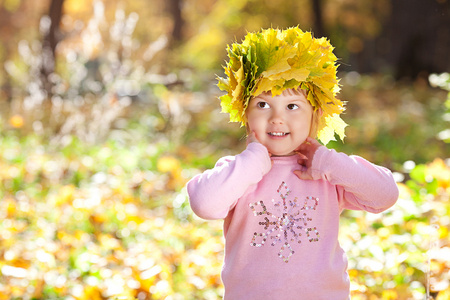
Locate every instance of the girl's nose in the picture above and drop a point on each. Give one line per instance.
(276, 118)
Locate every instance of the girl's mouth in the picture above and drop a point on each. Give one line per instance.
(278, 134)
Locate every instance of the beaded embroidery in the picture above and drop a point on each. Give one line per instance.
(286, 224)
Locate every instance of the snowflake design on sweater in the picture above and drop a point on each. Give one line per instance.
(286, 223)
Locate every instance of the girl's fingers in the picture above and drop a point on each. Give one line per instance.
(311, 140)
(306, 153)
(303, 175)
(302, 156)
(301, 162)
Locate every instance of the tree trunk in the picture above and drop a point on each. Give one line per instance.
(174, 9)
(318, 20)
(8, 48)
(418, 38)
(51, 38)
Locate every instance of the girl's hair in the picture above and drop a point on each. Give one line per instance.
(315, 115)
(315, 123)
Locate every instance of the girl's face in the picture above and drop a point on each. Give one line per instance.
(281, 123)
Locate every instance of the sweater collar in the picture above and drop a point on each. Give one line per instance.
(285, 159)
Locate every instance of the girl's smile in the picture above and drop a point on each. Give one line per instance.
(278, 134)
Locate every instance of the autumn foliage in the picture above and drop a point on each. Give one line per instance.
(110, 220)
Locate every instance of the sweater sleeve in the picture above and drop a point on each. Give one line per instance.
(361, 185)
(215, 192)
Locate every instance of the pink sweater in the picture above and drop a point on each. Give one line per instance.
(282, 232)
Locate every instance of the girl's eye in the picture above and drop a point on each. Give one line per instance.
(263, 104)
(292, 106)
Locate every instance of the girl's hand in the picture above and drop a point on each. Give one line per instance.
(306, 152)
(251, 138)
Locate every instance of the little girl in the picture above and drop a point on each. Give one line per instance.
(281, 197)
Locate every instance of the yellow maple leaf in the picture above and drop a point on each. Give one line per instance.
(297, 74)
(239, 77)
(333, 124)
(266, 84)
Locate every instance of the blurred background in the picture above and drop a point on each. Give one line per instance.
(108, 108)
